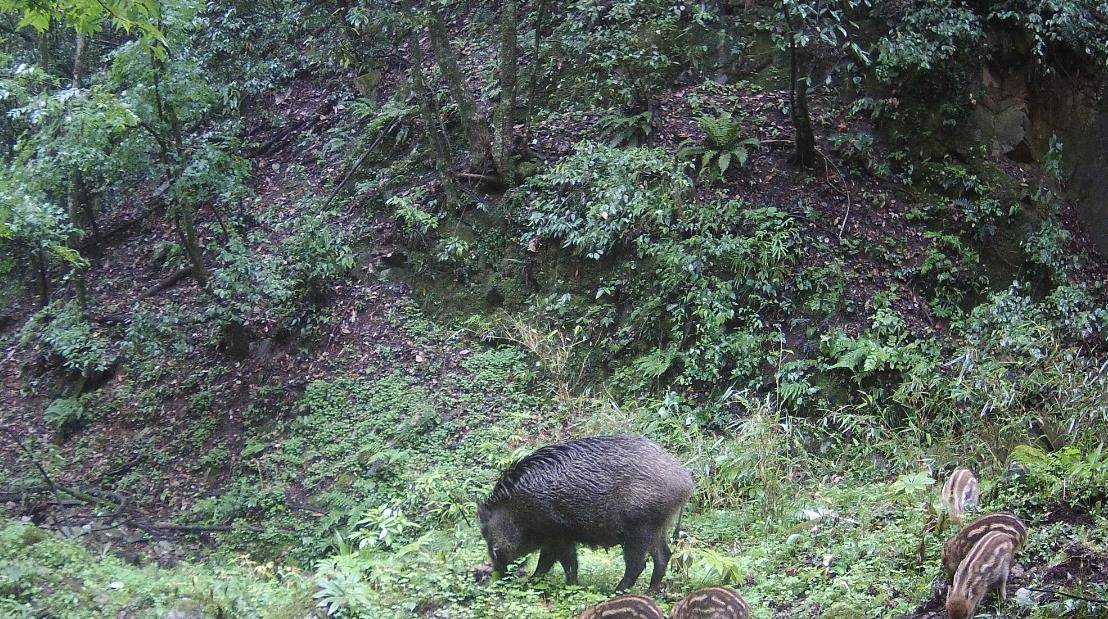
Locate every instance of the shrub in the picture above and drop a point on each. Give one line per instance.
(1019, 360)
(626, 52)
(601, 198)
(620, 130)
(694, 277)
(247, 283)
(63, 331)
(315, 258)
(64, 414)
(1069, 475)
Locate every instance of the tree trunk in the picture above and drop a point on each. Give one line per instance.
(73, 201)
(536, 66)
(93, 245)
(187, 232)
(805, 155)
(235, 339)
(429, 116)
(44, 50)
(76, 188)
(79, 60)
(474, 126)
(503, 146)
(42, 277)
(802, 121)
(184, 214)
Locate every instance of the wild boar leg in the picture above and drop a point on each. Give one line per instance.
(661, 554)
(547, 556)
(568, 559)
(635, 548)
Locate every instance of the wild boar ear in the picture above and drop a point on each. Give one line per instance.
(482, 512)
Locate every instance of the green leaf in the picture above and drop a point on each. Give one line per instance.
(35, 18)
(725, 162)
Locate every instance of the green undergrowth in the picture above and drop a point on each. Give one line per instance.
(388, 442)
(844, 545)
(43, 575)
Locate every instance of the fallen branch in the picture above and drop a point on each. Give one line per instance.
(123, 226)
(1069, 595)
(305, 123)
(184, 528)
(484, 178)
(31, 456)
(202, 528)
(357, 164)
(123, 468)
(167, 283)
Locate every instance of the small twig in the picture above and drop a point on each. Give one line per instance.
(31, 456)
(846, 216)
(844, 190)
(1069, 595)
(485, 178)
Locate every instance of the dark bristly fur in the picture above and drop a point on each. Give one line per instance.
(956, 548)
(960, 492)
(599, 491)
(987, 564)
(711, 603)
(624, 607)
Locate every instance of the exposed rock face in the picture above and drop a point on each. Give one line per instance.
(1080, 118)
(1002, 117)
(1017, 117)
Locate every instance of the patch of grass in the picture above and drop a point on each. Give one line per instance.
(43, 575)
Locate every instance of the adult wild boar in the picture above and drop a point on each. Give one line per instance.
(599, 491)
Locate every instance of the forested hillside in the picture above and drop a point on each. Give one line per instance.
(285, 286)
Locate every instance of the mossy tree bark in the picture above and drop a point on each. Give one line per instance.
(76, 191)
(472, 123)
(509, 56)
(173, 157)
(42, 277)
(430, 118)
(536, 68)
(44, 49)
(805, 155)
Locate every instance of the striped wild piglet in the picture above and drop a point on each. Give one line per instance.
(986, 565)
(956, 548)
(624, 607)
(712, 603)
(960, 493)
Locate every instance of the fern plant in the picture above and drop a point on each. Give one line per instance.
(725, 143)
(620, 130)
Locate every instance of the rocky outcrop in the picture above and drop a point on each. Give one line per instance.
(1017, 116)
(1078, 114)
